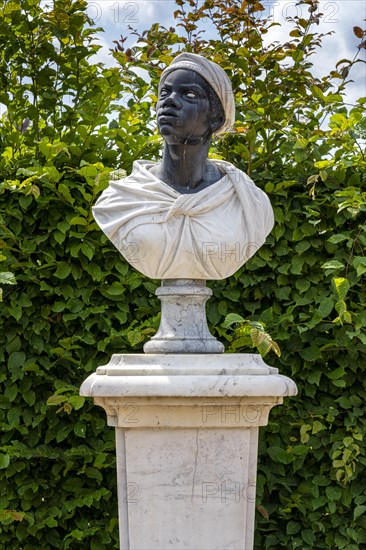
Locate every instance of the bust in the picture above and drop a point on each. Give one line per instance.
(187, 217)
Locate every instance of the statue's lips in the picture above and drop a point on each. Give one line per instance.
(167, 116)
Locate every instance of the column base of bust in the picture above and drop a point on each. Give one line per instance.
(183, 326)
(186, 345)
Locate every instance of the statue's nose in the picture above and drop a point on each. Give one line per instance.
(172, 101)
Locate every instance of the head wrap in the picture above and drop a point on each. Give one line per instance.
(215, 76)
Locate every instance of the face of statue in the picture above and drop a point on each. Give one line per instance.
(183, 108)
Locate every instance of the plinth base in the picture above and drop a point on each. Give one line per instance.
(186, 443)
(189, 488)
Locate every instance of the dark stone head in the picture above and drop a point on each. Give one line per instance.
(188, 108)
(214, 80)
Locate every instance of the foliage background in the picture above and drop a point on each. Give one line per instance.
(69, 300)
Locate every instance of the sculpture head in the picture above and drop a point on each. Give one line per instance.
(195, 100)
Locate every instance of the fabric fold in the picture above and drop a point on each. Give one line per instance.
(209, 234)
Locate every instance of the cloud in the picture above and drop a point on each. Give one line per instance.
(339, 18)
(115, 16)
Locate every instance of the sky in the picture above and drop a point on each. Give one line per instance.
(340, 16)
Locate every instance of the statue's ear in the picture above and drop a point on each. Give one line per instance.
(216, 122)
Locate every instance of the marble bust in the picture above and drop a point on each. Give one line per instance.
(187, 217)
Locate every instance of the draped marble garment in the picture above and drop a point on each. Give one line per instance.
(164, 234)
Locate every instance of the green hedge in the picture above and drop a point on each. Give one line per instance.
(70, 301)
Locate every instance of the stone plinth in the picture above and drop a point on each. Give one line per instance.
(186, 443)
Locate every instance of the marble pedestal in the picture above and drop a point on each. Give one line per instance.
(186, 442)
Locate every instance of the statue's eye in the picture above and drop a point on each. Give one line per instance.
(163, 92)
(191, 95)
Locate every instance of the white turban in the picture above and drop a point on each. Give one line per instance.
(215, 76)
